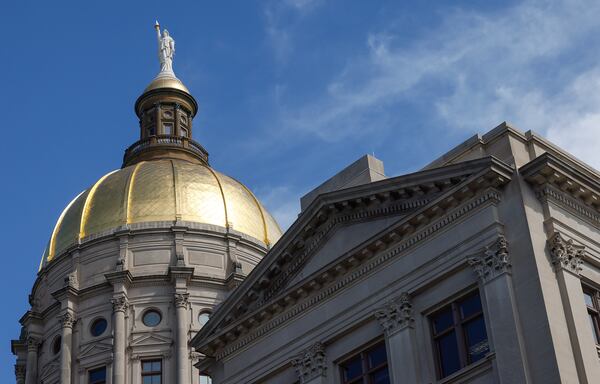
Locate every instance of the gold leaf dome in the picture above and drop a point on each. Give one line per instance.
(163, 190)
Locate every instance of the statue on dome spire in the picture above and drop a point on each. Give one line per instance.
(166, 49)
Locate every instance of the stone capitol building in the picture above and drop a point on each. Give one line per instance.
(482, 267)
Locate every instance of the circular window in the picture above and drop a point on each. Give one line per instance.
(203, 318)
(98, 327)
(56, 345)
(151, 318)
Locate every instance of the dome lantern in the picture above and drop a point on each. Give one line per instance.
(165, 111)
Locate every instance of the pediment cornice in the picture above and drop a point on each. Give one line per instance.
(427, 196)
(565, 182)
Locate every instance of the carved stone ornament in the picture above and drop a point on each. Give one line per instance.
(19, 372)
(67, 320)
(120, 304)
(71, 280)
(493, 261)
(182, 300)
(33, 344)
(564, 254)
(396, 315)
(310, 363)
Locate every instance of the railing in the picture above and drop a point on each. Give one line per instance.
(166, 141)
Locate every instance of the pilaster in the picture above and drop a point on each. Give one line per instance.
(567, 260)
(311, 365)
(493, 268)
(397, 321)
(67, 320)
(33, 344)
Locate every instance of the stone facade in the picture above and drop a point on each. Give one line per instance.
(506, 217)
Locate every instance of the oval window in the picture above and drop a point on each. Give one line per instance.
(203, 318)
(151, 318)
(98, 327)
(56, 345)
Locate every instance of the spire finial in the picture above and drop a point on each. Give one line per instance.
(166, 50)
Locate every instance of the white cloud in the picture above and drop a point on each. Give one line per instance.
(282, 202)
(528, 64)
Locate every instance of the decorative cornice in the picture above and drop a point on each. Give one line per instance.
(67, 320)
(311, 363)
(182, 300)
(120, 304)
(396, 315)
(493, 261)
(565, 255)
(550, 193)
(263, 321)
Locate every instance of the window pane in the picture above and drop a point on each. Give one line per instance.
(353, 368)
(156, 379)
(377, 356)
(476, 339)
(146, 366)
(205, 380)
(593, 325)
(448, 351)
(470, 306)
(588, 299)
(156, 366)
(147, 380)
(380, 377)
(443, 320)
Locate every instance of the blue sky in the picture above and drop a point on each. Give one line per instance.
(290, 92)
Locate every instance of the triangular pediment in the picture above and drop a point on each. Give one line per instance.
(93, 349)
(149, 339)
(350, 224)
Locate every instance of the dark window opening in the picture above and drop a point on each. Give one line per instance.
(97, 376)
(368, 366)
(152, 372)
(592, 302)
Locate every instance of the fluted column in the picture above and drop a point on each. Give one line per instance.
(67, 320)
(183, 363)
(120, 305)
(311, 365)
(20, 373)
(493, 268)
(567, 259)
(32, 360)
(396, 318)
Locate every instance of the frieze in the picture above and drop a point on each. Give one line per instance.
(396, 315)
(311, 363)
(493, 261)
(351, 276)
(565, 255)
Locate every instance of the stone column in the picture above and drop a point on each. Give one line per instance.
(67, 321)
(183, 363)
(32, 360)
(566, 259)
(396, 318)
(120, 306)
(493, 269)
(20, 373)
(311, 365)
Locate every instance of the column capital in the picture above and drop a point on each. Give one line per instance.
(182, 300)
(311, 363)
(120, 304)
(67, 320)
(396, 314)
(565, 255)
(33, 343)
(493, 261)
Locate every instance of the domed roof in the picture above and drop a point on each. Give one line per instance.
(162, 190)
(166, 81)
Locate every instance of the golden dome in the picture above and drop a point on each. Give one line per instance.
(162, 190)
(166, 82)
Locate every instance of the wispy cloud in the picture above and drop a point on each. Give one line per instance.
(282, 202)
(530, 64)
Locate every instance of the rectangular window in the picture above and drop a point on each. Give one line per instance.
(151, 371)
(459, 334)
(368, 366)
(205, 379)
(592, 302)
(183, 132)
(97, 376)
(168, 128)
